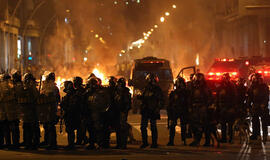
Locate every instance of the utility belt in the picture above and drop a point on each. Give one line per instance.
(25, 100)
(46, 100)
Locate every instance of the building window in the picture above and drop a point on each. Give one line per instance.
(29, 44)
(19, 48)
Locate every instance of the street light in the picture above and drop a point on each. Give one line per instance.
(162, 19)
(174, 6)
(167, 13)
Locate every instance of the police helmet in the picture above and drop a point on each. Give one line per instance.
(28, 77)
(92, 83)
(256, 77)
(77, 81)
(226, 77)
(68, 86)
(6, 76)
(198, 77)
(112, 81)
(180, 82)
(121, 82)
(50, 76)
(16, 76)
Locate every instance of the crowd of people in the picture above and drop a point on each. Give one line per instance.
(91, 112)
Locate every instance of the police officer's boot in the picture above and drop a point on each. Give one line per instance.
(171, 138)
(189, 132)
(52, 138)
(154, 137)
(144, 137)
(223, 133)
(144, 140)
(36, 135)
(197, 138)
(15, 135)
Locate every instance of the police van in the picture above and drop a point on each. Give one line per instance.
(144, 66)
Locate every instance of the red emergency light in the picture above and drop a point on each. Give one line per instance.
(225, 59)
(218, 75)
(265, 73)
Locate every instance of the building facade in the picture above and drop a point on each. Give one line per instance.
(243, 27)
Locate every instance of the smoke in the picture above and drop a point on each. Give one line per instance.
(189, 30)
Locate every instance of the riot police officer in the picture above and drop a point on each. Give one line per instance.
(98, 101)
(122, 100)
(27, 98)
(258, 97)
(4, 128)
(79, 92)
(49, 99)
(112, 114)
(241, 94)
(178, 108)
(225, 102)
(152, 102)
(199, 100)
(71, 113)
(9, 101)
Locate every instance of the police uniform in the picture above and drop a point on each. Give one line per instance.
(258, 97)
(241, 94)
(9, 102)
(27, 98)
(177, 108)
(98, 101)
(47, 110)
(72, 114)
(152, 102)
(122, 100)
(3, 120)
(199, 100)
(225, 102)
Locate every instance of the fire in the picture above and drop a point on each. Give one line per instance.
(100, 75)
(59, 82)
(197, 60)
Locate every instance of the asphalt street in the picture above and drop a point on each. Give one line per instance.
(255, 150)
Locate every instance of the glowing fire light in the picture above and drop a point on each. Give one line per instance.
(197, 59)
(101, 76)
(59, 82)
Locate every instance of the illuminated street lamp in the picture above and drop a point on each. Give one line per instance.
(162, 19)
(167, 13)
(174, 6)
